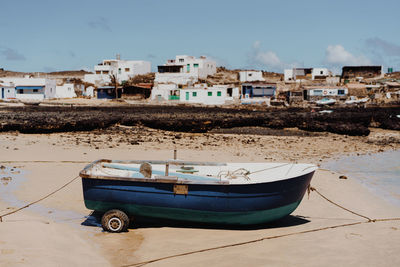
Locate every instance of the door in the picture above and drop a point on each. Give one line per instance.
(187, 95)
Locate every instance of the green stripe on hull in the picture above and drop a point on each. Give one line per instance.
(237, 218)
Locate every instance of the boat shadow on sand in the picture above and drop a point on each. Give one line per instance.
(94, 219)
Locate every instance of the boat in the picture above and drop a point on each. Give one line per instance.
(354, 100)
(203, 192)
(325, 101)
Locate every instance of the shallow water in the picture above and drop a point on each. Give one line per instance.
(378, 172)
(15, 177)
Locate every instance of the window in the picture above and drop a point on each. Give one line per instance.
(250, 74)
(229, 92)
(119, 71)
(98, 72)
(209, 93)
(181, 60)
(35, 90)
(219, 93)
(321, 72)
(340, 92)
(105, 72)
(194, 94)
(317, 92)
(127, 69)
(195, 65)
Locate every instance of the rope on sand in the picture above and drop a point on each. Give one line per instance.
(258, 240)
(43, 161)
(34, 202)
(310, 188)
(369, 220)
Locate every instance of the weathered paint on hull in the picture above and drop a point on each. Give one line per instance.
(212, 217)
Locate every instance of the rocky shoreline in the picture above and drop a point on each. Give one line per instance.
(347, 121)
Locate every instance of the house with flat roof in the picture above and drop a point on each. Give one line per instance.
(32, 88)
(350, 73)
(122, 69)
(7, 91)
(196, 94)
(185, 69)
(297, 74)
(250, 76)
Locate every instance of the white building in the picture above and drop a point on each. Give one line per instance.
(122, 69)
(7, 91)
(197, 94)
(215, 95)
(165, 91)
(32, 88)
(67, 90)
(322, 92)
(251, 76)
(297, 74)
(185, 69)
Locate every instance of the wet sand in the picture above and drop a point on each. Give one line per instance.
(58, 231)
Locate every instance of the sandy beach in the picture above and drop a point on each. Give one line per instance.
(59, 231)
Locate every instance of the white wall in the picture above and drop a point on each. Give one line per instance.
(326, 91)
(50, 89)
(208, 96)
(288, 73)
(49, 86)
(319, 72)
(193, 69)
(8, 91)
(162, 91)
(123, 69)
(29, 96)
(89, 91)
(177, 78)
(250, 76)
(66, 90)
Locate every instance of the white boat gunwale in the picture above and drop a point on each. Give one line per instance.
(85, 173)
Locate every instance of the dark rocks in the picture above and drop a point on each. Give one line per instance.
(347, 121)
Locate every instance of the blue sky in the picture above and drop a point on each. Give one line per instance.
(52, 35)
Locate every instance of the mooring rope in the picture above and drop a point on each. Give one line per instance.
(34, 202)
(43, 161)
(369, 220)
(257, 240)
(337, 205)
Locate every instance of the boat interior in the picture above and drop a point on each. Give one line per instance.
(195, 172)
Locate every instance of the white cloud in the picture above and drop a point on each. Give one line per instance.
(268, 59)
(336, 55)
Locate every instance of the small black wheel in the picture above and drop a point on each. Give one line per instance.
(115, 221)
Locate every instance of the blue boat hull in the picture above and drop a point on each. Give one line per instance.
(208, 203)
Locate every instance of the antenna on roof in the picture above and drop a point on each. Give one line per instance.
(118, 57)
